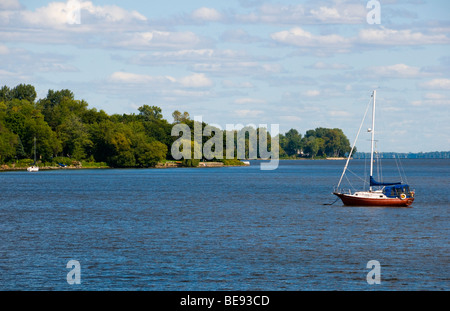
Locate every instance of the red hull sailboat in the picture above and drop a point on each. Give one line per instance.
(395, 194)
(360, 200)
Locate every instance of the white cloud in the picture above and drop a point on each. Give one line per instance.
(312, 93)
(290, 118)
(246, 101)
(4, 50)
(434, 96)
(52, 15)
(156, 40)
(335, 43)
(339, 13)
(58, 15)
(24, 62)
(196, 80)
(206, 15)
(243, 113)
(13, 77)
(173, 94)
(302, 38)
(386, 36)
(334, 66)
(189, 56)
(241, 68)
(133, 78)
(339, 113)
(239, 85)
(432, 99)
(5, 73)
(437, 84)
(192, 81)
(395, 71)
(111, 13)
(10, 5)
(98, 26)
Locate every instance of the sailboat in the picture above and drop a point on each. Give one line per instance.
(34, 167)
(396, 194)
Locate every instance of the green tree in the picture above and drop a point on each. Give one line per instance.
(293, 143)
(149, 154)
(331, 142)
(58, 105)
(25, 120)
(5, 94)
(23, 91)
(75, 139)
(150, 113)
(8, 144)
(312, 147)
(179, 117)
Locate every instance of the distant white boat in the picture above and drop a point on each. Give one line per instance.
(34, 167)
(246, 162)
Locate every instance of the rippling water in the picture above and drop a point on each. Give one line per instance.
(234, 228)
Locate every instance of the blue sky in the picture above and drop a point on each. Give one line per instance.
(299, 64)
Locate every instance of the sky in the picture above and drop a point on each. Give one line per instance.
(299, 64)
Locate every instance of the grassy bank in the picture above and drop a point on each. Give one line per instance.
(68, 163)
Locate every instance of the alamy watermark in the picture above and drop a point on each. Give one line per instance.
(374, 15)
(73, 9)
(257, 142)
(374, 275)
(74, 275)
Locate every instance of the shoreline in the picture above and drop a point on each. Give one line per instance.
(6, 168)
(329, 158)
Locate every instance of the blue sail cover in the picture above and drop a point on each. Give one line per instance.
(373, 182)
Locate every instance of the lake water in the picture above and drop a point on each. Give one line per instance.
(236, 228)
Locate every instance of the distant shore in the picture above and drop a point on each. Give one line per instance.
(79, 167)
(318, 158)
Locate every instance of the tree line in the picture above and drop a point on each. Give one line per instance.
(409, 155)
(66, 129)
(318, 143)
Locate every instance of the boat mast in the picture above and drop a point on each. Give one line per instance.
(354, 144)
(34, 150)
(373, 136)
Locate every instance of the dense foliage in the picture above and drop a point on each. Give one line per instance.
(66, 128)
(321, 142)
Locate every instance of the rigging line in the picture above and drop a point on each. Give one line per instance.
(354, 143)
(401, 166)
(350, 184)
(380, 167)
(363, 180)
(398, 168)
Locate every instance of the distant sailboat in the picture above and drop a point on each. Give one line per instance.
(380, 193)
(34, 167)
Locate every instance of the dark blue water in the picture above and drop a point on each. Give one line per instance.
(234, 228)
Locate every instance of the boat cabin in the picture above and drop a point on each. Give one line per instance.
(396, 191)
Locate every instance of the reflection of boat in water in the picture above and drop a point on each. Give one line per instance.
(34, 167)
(386, 194)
